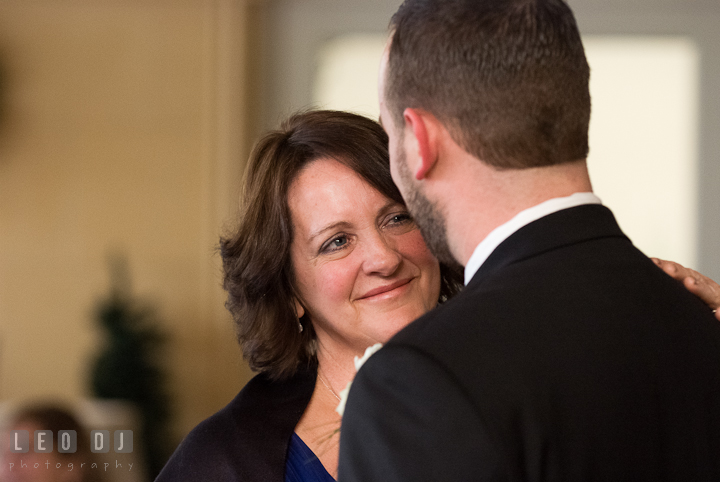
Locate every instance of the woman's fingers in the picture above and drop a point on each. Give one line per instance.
(697, 283)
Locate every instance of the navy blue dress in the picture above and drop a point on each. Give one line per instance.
(302, 464)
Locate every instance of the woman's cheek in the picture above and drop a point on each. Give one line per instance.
(415, 248)
(336, 281)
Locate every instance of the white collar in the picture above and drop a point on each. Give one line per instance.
(502, 232)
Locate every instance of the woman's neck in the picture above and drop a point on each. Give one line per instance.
(319, 426)
(336, 366)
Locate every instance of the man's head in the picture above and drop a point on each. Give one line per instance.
(507, 78)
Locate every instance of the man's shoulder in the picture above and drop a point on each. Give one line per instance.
(546, 248)
(594, 288)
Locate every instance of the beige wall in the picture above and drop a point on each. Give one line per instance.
(122, 131)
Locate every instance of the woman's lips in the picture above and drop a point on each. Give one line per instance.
(386, 289)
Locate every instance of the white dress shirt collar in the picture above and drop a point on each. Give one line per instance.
(502, 232)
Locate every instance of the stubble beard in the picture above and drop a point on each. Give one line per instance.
(427, 216)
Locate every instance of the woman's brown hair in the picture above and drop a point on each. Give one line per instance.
(256, 256)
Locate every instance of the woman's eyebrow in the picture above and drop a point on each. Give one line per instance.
(328, 227)
(389, 206)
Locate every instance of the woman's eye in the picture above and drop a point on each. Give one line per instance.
(399, 223)
(400, 218)
(338, 242)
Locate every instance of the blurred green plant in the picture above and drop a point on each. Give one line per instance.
(128, 368)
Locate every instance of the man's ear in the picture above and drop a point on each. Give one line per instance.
(423, 127)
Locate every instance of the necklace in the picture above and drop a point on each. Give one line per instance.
(328, 386)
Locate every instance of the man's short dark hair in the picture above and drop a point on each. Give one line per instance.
(508, 78)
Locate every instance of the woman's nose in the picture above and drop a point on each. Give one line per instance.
(381, 256)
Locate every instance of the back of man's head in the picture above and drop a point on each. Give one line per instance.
(508, 78)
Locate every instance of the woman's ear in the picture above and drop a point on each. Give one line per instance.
(299, 310)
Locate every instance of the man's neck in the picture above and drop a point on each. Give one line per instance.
(498, 235)
(483, 198)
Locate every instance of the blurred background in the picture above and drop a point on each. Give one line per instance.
(124, 128)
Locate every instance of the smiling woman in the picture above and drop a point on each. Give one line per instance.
(261, 276)
(362, 273)
(361, 267)
(325, 261)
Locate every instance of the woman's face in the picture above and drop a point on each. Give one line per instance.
(362, 269)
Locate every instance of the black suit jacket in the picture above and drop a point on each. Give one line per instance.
(569, 356)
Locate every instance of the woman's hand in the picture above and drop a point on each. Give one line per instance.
(699, 285)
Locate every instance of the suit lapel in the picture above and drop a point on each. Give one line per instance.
(562, 228)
